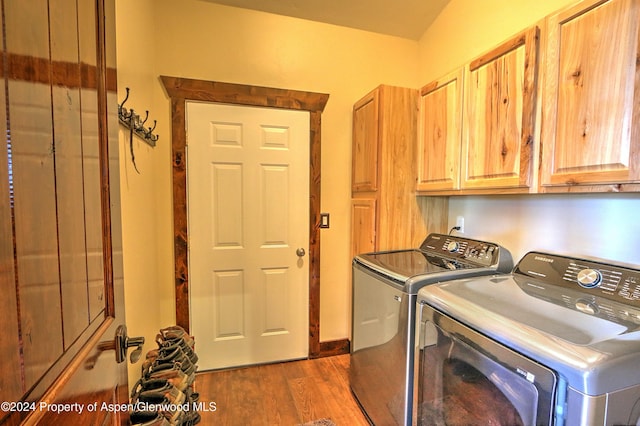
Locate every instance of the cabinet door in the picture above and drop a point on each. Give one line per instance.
(366, 132)
(591, 95)
(499, 116)
(363, 226)
(440, 134)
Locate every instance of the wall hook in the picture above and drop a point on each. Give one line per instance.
(133, 122)
(121, 109)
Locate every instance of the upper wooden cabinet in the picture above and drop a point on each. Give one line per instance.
(440, 134)
(499, 115)
(366, 127)
(591, 113)
(477, 125)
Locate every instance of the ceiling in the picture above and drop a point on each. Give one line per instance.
(401, 18)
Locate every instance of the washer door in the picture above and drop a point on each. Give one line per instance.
(466, 378)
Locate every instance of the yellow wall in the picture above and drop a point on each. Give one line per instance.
(201, 40)
(149, 296)
(212, 42)
(467, 28)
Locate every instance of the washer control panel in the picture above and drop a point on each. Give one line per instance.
(458, 248)
(592, 277)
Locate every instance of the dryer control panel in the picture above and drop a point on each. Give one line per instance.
(591, 277)
(464, 249)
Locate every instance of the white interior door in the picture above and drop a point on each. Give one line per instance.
(248, 212)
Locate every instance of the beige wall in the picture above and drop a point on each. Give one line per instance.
(211, 42)
(467, 28)
(149, 297)
(201, 40)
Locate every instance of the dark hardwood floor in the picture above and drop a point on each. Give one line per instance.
(288, 394)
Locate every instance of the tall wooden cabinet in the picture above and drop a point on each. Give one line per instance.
(591, 115)
(385, 212)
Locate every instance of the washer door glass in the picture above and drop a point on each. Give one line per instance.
(467, 379)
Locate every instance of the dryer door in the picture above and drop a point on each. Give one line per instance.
(466, 378)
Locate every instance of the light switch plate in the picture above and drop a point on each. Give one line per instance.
(324, 220)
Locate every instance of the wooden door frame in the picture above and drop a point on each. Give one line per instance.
(181, 90)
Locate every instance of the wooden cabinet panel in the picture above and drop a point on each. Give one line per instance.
(498, 124)
(591, 95)
(364, 173)
(363, 221)
(399, 218)
(440, 134)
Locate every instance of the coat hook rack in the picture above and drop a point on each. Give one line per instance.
(131, 120)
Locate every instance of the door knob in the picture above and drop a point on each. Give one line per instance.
(121, 343)
(300, 252)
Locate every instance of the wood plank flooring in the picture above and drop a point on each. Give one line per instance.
(287, 394)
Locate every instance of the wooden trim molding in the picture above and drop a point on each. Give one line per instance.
(181, 90)
(335, 347)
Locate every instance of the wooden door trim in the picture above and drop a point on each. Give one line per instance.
(181, 90)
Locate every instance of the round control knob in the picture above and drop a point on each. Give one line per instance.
(589, 278)
(453, 246)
